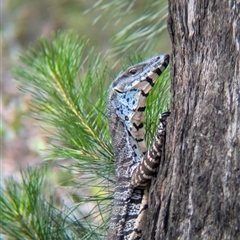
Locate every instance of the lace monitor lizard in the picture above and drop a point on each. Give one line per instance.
(135, 164)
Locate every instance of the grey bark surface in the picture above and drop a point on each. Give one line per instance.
(196, 194)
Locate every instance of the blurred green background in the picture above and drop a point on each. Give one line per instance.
(23, 22)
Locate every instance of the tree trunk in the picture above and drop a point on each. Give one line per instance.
(196, 194)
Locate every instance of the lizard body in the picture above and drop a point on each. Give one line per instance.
(135, 164)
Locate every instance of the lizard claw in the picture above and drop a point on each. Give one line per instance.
(164, 115)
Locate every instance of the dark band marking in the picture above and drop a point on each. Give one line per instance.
(136, 230)
(157, 71)
(141, 109)
(130, 217)
(149, 169)
(139, 139)
(152, 153)
(165, 63)
(144, 208)
(144, 94)
(138, 126)
(129, 133)
(150, 81)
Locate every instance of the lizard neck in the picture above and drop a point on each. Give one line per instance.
(127, 151)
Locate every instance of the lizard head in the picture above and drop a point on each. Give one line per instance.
(141, 76)
(129, 91)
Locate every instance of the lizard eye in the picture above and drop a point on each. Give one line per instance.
(132, 71)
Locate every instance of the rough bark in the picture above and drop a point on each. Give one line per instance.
(197, 191)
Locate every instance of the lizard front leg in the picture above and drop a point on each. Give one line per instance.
(150, 161)
(144, 172)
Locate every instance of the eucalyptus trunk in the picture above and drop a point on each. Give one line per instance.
(196, 194)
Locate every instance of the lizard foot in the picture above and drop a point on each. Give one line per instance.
(163, 116)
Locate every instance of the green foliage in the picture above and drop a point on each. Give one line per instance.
(27, 210)
(68, 101)
(158, 101)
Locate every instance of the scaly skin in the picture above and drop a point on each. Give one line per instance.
(135, 164)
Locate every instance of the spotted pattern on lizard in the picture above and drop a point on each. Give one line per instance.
(135, 164)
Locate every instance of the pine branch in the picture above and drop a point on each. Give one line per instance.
(65, 100)
(27, 210)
